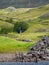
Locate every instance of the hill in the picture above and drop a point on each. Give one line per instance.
(38, 23)
(37, 19)
(22, 3)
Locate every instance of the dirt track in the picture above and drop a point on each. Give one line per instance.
(7, 57)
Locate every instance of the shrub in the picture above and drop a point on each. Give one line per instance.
(5, 27)
(5, 30)
(20, 27)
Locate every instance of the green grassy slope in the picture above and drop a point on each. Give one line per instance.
(8, 45)
(37, 18)
(30, 15)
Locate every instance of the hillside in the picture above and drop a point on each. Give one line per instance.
(37, 19)
(8, 45)
(22, 3)
(38, 23)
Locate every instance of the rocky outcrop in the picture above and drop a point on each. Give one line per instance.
(40, 49)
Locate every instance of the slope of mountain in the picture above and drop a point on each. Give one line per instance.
(38, 23)
(22, 3)
(37, 19)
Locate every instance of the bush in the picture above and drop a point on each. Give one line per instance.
(5, 30)
(20, 27)
(6, 27)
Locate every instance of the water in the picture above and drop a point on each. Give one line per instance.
(25, 63)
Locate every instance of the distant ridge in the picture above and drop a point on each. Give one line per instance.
(22, 3)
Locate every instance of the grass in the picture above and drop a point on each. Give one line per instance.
(8, 45)
(29, 15)
(38, 27)
(30, 36)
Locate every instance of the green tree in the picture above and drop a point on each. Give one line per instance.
(20, 27)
